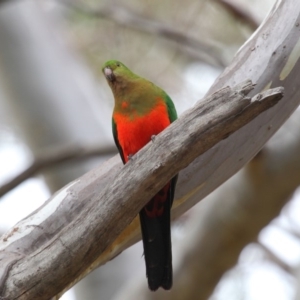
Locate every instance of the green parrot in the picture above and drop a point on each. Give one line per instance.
(142, 110)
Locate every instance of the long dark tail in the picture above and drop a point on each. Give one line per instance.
(156, 232)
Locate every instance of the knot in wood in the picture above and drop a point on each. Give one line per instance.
(257, 97)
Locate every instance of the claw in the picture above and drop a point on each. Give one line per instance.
(130, 156)
(153, 137)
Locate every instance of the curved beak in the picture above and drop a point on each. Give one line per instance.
(108, 73)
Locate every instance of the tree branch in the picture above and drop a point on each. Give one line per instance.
(54, 157)
(270, 58)
(232, 216)
(239, 12)
(64, 87)
(114, 199)
(201, 49)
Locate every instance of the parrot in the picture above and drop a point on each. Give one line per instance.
(141, 111)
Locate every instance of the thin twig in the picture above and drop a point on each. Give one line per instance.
(239, 12)
(204, 50)
(53, 157)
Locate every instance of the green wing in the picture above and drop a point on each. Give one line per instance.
(171, 108)
(172, 116)
(115, 134)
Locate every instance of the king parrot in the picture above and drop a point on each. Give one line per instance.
(141, 111)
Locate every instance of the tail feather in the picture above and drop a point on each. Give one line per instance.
(156, 232)
(157, 250)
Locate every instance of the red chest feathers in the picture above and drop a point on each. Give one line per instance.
(134, 132)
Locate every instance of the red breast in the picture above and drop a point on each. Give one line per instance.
(134, 131)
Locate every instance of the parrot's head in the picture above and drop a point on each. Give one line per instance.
(116, 73)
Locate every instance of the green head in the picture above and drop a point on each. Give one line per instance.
(117, 74)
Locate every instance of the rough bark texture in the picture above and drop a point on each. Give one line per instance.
(231, 217)
(270, 58)
(53, 98)
(100, 204)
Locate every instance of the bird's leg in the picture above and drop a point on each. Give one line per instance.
(153, 137)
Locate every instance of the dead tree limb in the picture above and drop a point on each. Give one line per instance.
(53, 157)
(271, 58)
(240, 12)
(59, 238)
(231, 217)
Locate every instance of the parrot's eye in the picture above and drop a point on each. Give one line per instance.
(118, 65)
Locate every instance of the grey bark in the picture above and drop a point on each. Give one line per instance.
(100, 204)
(55, 100)
(270, 57)
(231, 217)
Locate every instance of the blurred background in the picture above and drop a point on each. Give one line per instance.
(55, 116)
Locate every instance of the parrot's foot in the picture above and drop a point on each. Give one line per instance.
(153, 137)
(130, 157)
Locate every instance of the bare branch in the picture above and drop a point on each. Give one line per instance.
(239, 209)
(53, 157)
(239, 12)
(64, 106)
(270, 58)
(232, 217)
(200, 49)
(100, 212)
